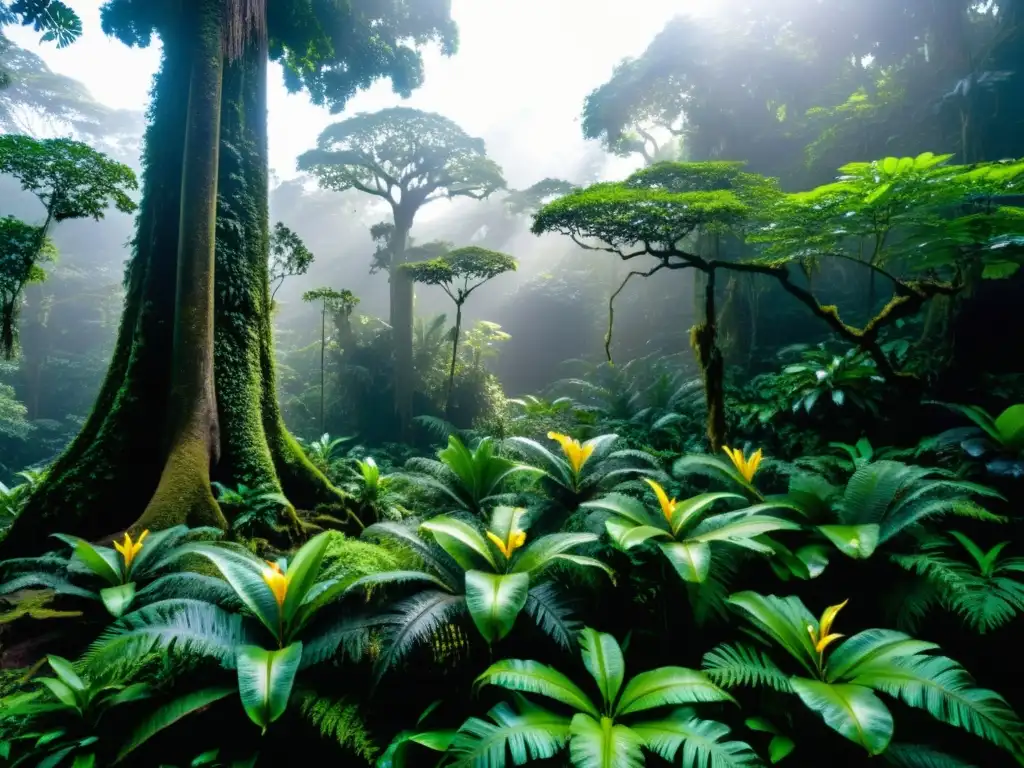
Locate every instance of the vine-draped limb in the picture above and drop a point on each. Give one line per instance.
(611, 304)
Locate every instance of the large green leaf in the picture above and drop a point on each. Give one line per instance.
(302, 574)
(856, 541)
(61, 691)
(851, 710)
(104, 562)
(691, 559)
(244, 574)
(265, 680)
(785, 620)
(701, 741)
(667, 686)
(66, 672)
(495, 600)
(623, 506)
(533, 677)
(462, 541)
(538, 555)
(628, 535)
(869, 647)
(118, 599)
(169, 714)
(603, 659)
(601, 743)
(1010, 425)
(688, 510)
(740, 529)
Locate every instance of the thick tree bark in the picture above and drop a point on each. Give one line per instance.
(110, 473)
(184, 487)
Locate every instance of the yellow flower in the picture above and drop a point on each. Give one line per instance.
(277, 582)
(823, 637)
(576, 454)
(516, 539)
(746, 467)
(668, 506)
(129, 549)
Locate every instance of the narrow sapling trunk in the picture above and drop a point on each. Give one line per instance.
(704, 340)
(455, 355)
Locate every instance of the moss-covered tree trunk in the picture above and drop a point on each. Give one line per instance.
(704, 340)
(109, 476)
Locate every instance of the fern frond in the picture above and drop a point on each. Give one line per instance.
(341, 721)
(415, 620)
(551, 615)
(178, 626)
(351, 634)
(730, 665)
(531, 734)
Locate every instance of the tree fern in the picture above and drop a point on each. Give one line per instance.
(341, 721)
(731, 665)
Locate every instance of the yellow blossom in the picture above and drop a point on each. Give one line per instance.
(823, 636)
(576, 453)
(668, 506)
(516, 539)
(129, 549)
(277, 582)
(746, 467)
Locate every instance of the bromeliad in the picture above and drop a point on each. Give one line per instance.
(129, 550)
(576, 453)
(668, 506)
(516, 539)
(823, 636)
(746, 467)
(277, 581)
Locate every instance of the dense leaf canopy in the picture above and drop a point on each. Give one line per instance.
(403, 155)
(471, 263)
(72, 180)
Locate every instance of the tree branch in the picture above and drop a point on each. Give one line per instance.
(611, 305)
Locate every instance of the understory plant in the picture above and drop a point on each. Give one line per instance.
(654, 711)
(129, 573)
(492, 574)
(840, 683)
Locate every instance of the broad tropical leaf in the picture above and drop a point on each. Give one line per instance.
(851, 710)
(265, 680)
(495, 600)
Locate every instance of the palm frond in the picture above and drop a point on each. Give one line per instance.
(189, 586)
(533, 733)
(701, 741)
(921, 756)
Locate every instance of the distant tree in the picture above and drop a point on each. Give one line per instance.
(21, 253)
(458, 273)
(289, 257)
(529, 200)
(72, 181)
(330, 301)
(408, 158)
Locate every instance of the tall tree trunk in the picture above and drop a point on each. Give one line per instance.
(110, 473)
(455, 355)
(323, 349)
(193, 430)
(402, 321)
